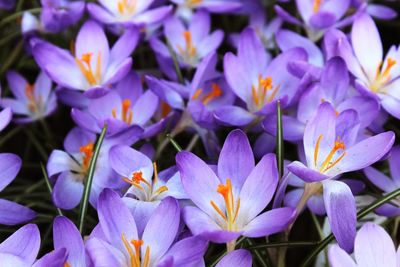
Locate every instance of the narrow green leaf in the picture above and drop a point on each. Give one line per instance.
(89, 179)
(14, 16)
(279, 138)
(361, 214)
(47, 181)
(174, 143)
(283, 244)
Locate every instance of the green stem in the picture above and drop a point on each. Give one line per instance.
(47, 181)
(89, 179)
(176, 63)
(18, 14)
(284, 244)
(10, 134)
(279, 139)
(361, 214)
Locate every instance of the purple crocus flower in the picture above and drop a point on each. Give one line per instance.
(238, 258)
(229, 202)
(126, 105)
(57, 15)
(190, 42)
(148, 188)
(32, 101)
(385, 183)
(128, 12)
(120, 244)
(331, 148)
(186, 7)
(259, 85)
(66, 236)
(71, 166)
(373, 247)
(92, 65)
(375, 76)
(377, 10)
(22, 247)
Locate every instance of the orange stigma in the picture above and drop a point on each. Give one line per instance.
(126, 6)
(85, 66)
(382, 76)
(190, 50)
(259, 94)
(231, 207)
(151, 193)
(134, 254)
(126, 111)
(328, 163)
(33, 105)
(214, 93)
(87, 152)
(66, 265)
(317, 5)
(192, 3)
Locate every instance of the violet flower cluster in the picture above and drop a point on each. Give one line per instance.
(191, 133)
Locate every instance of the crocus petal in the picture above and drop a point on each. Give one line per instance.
(12, 213)
(238, 258)
(68, 190)
(381, 11)
(335, 80)
(57, 257)
(115, 219)
(370, 53)
(10, 260)
(379, 179)
(168, 215)
(153, 16)
(374, 247)
(125, 45)
(393, 164)
(339, 258)
(103, 254)
(258, 188)
(233, 115)
(306, 174)
(17, 84)
(5, 118)
(199, 181)
(66, 235)
(10, 165)
(126, 160)
(183, 257)
(100, 14)
(24, 243)
(236, 160)
(202, 225)
(366, 153)
(270, 222)
(341, 209)
(145, 107)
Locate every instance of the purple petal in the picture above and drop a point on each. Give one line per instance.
(17, 84)
(10, 165)
(5, 118)
(393, 164)
(341, 210)
(374, 247)
(66, 235)
(55, 258)
(258, 188)
(115, 219)
(339, 258)
(125, 45)
(270, 222)
(379, 179)
(233, 115)
(168, 215)
(184, 257)
(236, 159)
(306, 174)
(153, 16)
(199, 181)
(238, 258)
(202, 225)
(322, 20)
(24, 243)
(12, 213)
(68, 190)
(381, 11)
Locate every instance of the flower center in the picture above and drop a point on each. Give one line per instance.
(143, 185)
(232, 208)
(92, 76)
(260, 93)
(189, 51)
(126, 111)
(33, 105)
(66, 265)
(329, 162)
(87, 152)
(382, 76)
(133, 249)
(317, 5)
(192, 3)
(126, 6)
(214, 93)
